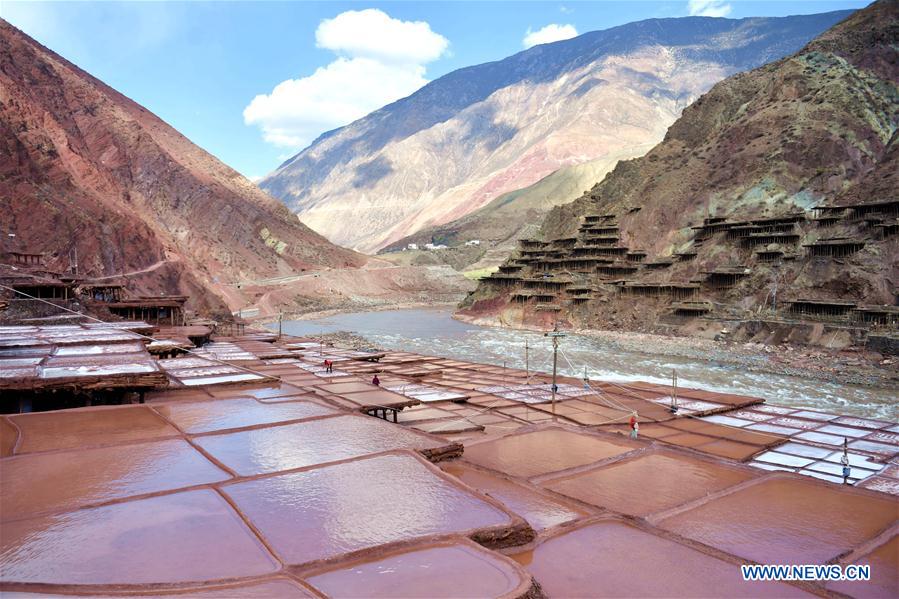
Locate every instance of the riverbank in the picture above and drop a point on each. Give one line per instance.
(848, 366)
(269, 320)
(623, 357)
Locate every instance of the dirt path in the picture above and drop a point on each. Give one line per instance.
(150, 268)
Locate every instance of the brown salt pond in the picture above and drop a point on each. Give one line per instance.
(786, 520)
(539, 511)
(884, 562)
(86, 427)
(224, 414)
(272, 392)
(310, 443)
(448, 426)
(8, 436)
(428, 413)
(278, 587)
(543, 451)
(454, 569)
(355, 386)
(377, 398)
(613, 559)
(648, 483)
(192, 536)
(35, 483)
(324, 512)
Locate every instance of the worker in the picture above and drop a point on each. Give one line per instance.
(376, 381)
(329, 366)
(635, 426)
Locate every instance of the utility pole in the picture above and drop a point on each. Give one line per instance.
(674, 391)
(555, 335)
(527, 365)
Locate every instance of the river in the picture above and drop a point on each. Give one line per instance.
(434, 332)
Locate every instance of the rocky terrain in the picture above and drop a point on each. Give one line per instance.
(470, 136)
(377, 285)
(497, 226)
(88, 175)
(778, 185)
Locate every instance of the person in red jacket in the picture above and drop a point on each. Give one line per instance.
(635, 426)
(376, 381)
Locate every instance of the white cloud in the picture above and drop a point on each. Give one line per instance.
(709, 8)
(372, 33)
(298, 110)
(380, 60)
(551, 33)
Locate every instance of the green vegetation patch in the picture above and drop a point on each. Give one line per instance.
(480, 273)
(272, 241)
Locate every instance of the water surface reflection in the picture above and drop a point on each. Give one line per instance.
(433, 331)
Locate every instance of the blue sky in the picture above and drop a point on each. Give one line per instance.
(253, 82)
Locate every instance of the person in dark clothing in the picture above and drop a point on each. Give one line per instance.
(376, 381)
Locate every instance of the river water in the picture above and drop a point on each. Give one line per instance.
(434, 332)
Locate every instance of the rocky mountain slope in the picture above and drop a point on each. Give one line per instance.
(497, 226)
(86, 171)
(778, 185)
(474, 134)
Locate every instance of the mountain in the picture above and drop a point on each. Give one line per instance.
(515, 214)
(86, 171)
(772, 198)
(470, 136)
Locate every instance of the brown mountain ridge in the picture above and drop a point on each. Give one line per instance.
(779, 182)
(87, 172)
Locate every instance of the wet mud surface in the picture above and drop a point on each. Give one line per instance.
(325, 512)
(538, 510)
(35, 483)
(308, 443)
(256, 490)
(541, 452)
(648, 483)
(617, 560)
(190, 536)
(786, 521)
(442, 571)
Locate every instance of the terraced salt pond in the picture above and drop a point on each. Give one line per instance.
(434, 332)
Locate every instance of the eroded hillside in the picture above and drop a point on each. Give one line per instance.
(778, 183)
(470, 136)
(89, 176)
